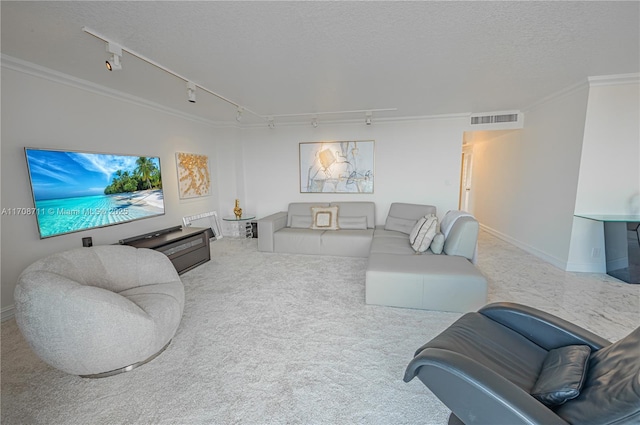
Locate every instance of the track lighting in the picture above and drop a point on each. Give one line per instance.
(113, 64)
(116, 56)
(191, 91)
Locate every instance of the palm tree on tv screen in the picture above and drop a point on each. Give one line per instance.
(145, 170)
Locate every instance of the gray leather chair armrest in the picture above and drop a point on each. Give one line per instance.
(476, 394)
(267, 226)
(542, 328)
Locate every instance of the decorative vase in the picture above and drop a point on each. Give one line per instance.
(237, 210)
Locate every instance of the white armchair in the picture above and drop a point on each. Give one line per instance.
(99, 311)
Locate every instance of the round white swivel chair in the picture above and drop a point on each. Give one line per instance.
(99, 311)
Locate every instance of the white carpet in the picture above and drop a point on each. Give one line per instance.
(265, 339)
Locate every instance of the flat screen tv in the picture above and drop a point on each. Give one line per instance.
(75, 191)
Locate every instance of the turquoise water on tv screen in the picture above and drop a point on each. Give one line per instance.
(56, 216)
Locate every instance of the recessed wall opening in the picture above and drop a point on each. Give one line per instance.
(470, 188)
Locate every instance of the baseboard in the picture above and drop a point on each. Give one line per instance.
(7, 313)
(525, 247)
(585, 268)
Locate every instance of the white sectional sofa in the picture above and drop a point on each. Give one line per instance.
(396, 275)
(290, 231)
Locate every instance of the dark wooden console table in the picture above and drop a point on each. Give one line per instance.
(186, 247)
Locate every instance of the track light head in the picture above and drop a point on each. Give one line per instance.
(367, 118)
(271, 123)
(314, 122)
(191, 91)
(239, 113)
(113, 64)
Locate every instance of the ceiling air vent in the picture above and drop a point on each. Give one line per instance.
(490, 119)
(498, 120)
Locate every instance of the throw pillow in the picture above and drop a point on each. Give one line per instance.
(563, 373)
(301, 221)
(324, 218)
(353, 223)
(437, 244)
(423, 233)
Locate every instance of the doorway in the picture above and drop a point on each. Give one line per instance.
(466, 172)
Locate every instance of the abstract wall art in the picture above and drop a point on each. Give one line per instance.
(193, 175)
(337, 167)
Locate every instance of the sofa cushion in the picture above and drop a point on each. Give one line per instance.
(301, 221)
(423, 233)
(397, 224)
(391, 245)
(433, 282)
(298, 241)
(390, 242)
(403, 217)
(348, 243)
(357, 209)
(562, 376)
(352, 223)
(302, 208)
(324, 218)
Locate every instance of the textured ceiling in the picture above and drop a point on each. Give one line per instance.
(423, 58)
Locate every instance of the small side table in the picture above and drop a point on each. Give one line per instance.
(241, 227)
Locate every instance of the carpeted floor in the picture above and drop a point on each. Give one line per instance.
(265, 338)
(287, 339)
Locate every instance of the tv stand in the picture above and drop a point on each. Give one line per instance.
(186, 247)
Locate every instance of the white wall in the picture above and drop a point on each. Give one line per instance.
(524, 182)
(609, 177)
(416, 161)
(37, 112)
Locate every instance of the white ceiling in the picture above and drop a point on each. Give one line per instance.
(423, 58)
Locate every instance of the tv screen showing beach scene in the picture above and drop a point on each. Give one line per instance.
(75, 191)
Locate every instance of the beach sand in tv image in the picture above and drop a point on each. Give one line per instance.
(75, 191)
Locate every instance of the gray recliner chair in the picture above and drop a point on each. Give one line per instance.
(513, 364)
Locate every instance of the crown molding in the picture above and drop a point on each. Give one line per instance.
(613, 80)
(560, 93)
(375, 120)
(35, 70)
(595, 81)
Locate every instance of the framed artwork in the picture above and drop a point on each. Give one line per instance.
(193, 175)
(337, 167)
